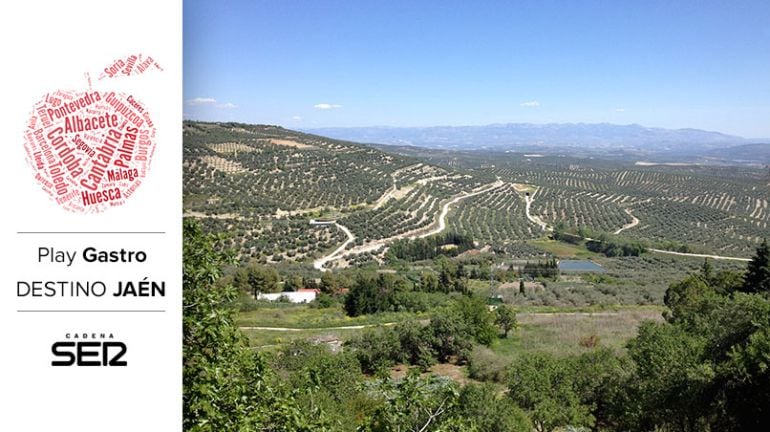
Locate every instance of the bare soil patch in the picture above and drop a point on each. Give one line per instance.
(290, 143)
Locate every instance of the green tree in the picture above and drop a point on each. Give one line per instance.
(226, 387)
(461, 273)
(329, 283)
(450, 337)
(483, 272)
(241, 280)
(321, 379)
(293, 283)
(418, 404)
(490, 411)
(707, 270)
(757, 278)
(745, 383)
(445, 275)
(415, 341)
(670, 380)
(505, 318)
(374, 293)
(262, 279)
(461, 285)
(472, 310)
(544, 386)
(376, 349)
(726, 281)
(683, 298)
(706, 369)
(601, 380)
(429, 282)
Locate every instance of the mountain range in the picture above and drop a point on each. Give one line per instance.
(626, 141)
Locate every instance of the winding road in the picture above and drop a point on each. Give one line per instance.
(445, 210)
(634, 222)
(535, 219)
(440, 225)
(435, 228)
(321, 262)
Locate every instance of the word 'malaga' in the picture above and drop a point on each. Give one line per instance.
(90, 150)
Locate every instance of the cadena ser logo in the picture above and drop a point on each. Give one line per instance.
(89, 349)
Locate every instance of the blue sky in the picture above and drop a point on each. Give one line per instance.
(305, 64)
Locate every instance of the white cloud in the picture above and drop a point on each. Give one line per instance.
(326, 106)
(201, 101)
(296, 118)
(620, 110)
(530, 104)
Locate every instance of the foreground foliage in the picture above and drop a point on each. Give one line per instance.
(226, 386)
(705, 368)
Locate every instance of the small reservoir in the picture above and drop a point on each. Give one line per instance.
(580, 266)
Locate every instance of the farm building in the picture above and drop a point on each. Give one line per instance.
(300, 296)
(322, 222)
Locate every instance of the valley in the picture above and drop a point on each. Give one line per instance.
(260, 194)
(444, 268)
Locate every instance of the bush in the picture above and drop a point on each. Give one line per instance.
(325, 301)
(376, 349)
(415, 340)
(491, 412)
(374, 293)
(485, 365)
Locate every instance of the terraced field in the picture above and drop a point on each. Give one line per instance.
(710, 209)
(260, 170)
(273, 240)
(259, 186)
(598, 211)
(495, 218)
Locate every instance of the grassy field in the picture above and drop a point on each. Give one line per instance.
(561, 333)
(307, 317)
(554, 329)
(563, 250)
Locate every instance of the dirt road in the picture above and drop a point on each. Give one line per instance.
(535, 219)
(337, 253)
(716, 257)
(634, 222)
(435, 228)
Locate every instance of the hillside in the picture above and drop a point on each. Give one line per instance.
(404, 254)
(261, 186)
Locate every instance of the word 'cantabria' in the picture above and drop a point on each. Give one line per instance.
(91, 150)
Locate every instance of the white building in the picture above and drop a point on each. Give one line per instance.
(301, 296)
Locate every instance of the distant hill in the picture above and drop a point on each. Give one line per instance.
(260, 185)
(747, 153)
(602, 137)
